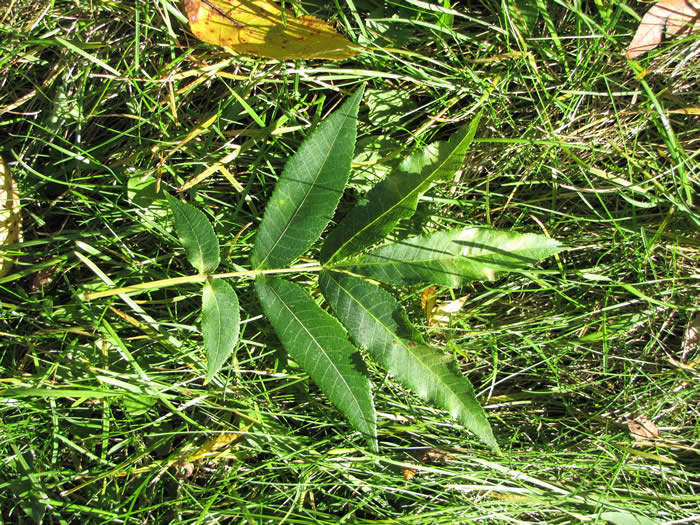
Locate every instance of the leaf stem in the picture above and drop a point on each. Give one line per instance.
(198, 278)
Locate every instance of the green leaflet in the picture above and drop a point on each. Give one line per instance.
(221, 319)
(626, 518)
(376, 321)
(319, 344)
(308, 190)
(196, 235)
(453, 257)
(396, 197)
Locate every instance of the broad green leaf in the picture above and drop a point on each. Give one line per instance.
(396, 197)
(196, 235)
(319, 344)
(376, 321)
(387, 106)
(626, 518)
(308, 190)
(142, 193)
(453, 257)
(221, 319)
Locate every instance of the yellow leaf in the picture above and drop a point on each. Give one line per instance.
(10, 219)
(262, 28)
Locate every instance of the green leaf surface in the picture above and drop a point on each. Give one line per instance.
(196, 235)
(221, 320)
(626, 518)
(308, 190)
(387, 106)
(396, 197)
(376, 321)
(319, 344)
(453, 257)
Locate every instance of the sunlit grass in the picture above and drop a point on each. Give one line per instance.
(103, 407)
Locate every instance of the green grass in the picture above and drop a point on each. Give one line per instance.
(101, 400)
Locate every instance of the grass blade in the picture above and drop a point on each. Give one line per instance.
(309, 189)
(320, 345)
(453, 257)
(396, 197)
(376, 321)
(221, 319)
(196, 235)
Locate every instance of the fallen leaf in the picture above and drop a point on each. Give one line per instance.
(262, 28)
(440, 314)
(408, 473)
(676, 17)
(10, 218)
(642, 429)
(427, 301)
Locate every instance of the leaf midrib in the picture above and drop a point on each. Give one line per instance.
(410, 194)
(358, 406)
(408, 347)
(306, 195)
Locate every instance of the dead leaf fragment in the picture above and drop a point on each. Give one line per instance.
(427, 301)
(408, 473)
(691, 337)
(674, 17)
(642, 429)
(262, 28)
(439, 314)
(10, 218)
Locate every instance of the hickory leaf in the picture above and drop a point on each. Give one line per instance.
(376, 321)
(308, 190)
(453, 257)
(301, 205)
(220, 323)
(196, 235)
(319, 344)
(396, 197)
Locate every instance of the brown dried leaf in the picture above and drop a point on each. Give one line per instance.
(441, 314)
(427, 301)
(691, 338)
(642, 429)
(408, 473)
(10, 218)
(677, 17)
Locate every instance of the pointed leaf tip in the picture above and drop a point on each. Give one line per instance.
(319, 344)
(308, 190)
(196, 235)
